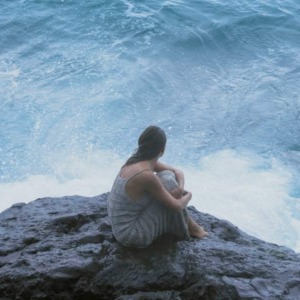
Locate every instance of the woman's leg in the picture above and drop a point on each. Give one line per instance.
(169, 182)
(195, 230)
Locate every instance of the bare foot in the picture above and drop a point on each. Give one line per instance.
(196, 230)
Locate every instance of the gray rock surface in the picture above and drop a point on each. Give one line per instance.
(63, 248)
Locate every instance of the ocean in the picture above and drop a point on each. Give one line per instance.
(80, 80)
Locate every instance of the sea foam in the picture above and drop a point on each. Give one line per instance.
(250, 191)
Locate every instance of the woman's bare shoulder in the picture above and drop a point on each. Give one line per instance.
(149, 179)
(137, 171)
(160, 166)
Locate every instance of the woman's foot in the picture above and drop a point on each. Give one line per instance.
(195, 230)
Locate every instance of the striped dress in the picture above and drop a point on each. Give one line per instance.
(139, 223)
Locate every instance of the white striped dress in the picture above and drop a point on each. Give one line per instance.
(139, 223)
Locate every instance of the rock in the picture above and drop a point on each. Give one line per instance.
(63, 248)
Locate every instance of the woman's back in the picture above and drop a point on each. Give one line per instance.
(135, 176)
(124, 211)
(137, 223)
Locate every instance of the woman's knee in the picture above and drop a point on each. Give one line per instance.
(168, 179)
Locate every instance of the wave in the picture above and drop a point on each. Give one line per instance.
(252, 192)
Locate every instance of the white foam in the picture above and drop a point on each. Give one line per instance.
(133, 10)
(249, 191)
(10, 74)
(74, 176)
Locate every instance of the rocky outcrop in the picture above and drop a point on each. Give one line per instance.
(63, 248)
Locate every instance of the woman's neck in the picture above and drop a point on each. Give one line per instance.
(152, 163)
(147, 164)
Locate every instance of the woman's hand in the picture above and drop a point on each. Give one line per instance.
(177, 192)
(188, 195)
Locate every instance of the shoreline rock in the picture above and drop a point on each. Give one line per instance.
(63, 248)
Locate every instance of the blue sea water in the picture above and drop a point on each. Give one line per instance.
(80, 80)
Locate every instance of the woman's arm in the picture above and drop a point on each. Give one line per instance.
(154, 186)
(178, 174)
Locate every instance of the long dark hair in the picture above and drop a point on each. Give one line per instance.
(151, 143)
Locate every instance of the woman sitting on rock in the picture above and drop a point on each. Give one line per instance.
(148, 197)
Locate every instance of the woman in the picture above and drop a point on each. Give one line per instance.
(148, 197)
